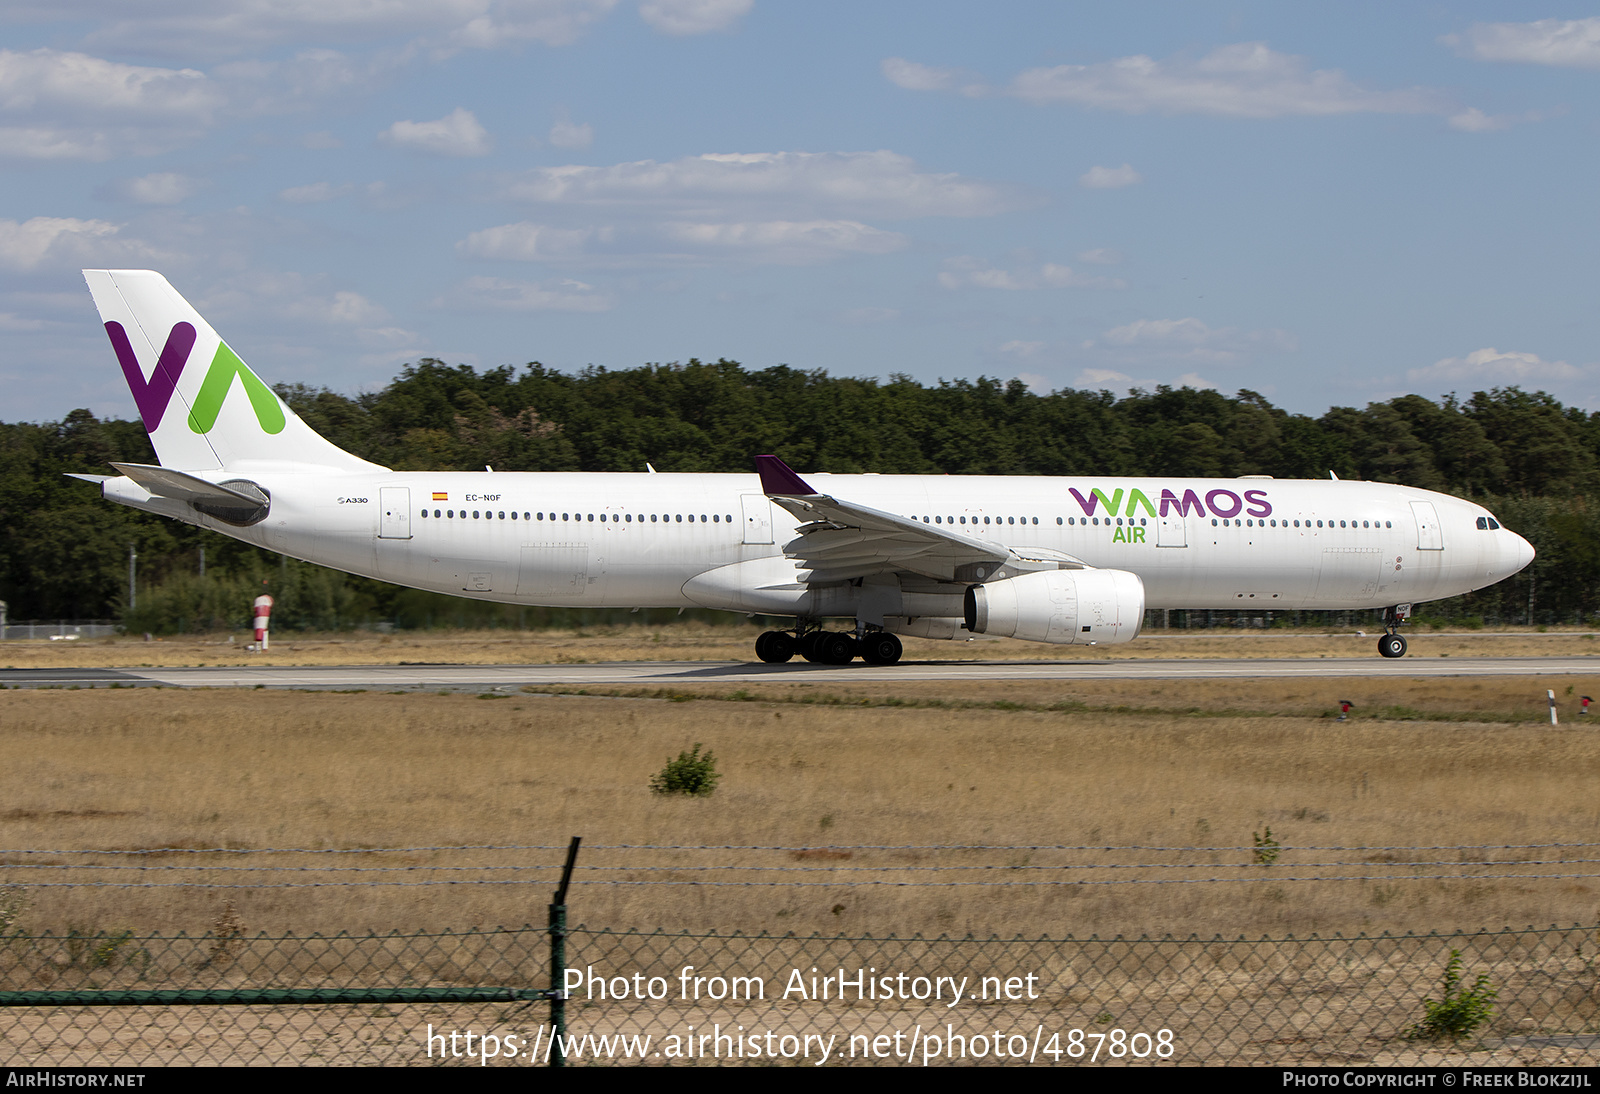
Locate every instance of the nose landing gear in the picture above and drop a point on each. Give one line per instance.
(1392, 644)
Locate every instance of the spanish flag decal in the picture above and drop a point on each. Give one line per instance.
(441, 495)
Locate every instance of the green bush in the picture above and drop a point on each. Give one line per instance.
(1461, 1011)
(1266, 848)
(691, 773)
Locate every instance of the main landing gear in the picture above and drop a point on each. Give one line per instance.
(1393, 644)
(828, 647)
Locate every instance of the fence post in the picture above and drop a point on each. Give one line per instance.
(558, 960)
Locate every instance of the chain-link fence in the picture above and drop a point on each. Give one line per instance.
(477, 996)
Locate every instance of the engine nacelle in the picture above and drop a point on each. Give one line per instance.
(1089, 607)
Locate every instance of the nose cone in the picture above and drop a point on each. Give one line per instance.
(1516, 553)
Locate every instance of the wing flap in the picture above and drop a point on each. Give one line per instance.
(841, 540)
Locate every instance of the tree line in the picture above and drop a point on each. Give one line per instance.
(64, 551)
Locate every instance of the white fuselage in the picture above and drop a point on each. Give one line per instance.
(675, 540)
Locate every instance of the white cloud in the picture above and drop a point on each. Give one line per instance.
(1189, 339)
(70, 243)
(513, 22)
(915, 77)
(497, 294)
(350, 308)
(1244, 80)
(784, 208)
(524, 242)
(58, 105)
(456, 134)
(1023, 349)
(160, 188)
(849, 184)
(1473, 120)
(314, 193)
(1490, 366)
(1100, 377)
(228, 27)
(967, 272)
(565, 134)
(685, 17)
(12, 322)
(1101, 256)
(1195, 380)
(786, 242)
(47, 79)
(1109, 178)
(74, 106)
(1572, 43)
(289, 295)
(1039, 385)
(391, 338)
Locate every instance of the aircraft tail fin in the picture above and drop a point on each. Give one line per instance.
(202, 406)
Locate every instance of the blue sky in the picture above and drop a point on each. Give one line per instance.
(1329, 204)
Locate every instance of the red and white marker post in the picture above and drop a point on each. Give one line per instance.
(263, 613)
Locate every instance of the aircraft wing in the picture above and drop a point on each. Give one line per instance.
(841, 541)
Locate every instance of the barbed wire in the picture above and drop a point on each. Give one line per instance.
(809, 884)
(1423, 863)
(588, 847)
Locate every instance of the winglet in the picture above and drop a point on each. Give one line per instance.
(779, 478)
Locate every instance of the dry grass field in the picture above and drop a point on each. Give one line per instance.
(689, 641)
(1177, 764)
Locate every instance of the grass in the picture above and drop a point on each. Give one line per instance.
(1178, 763)
(733, 641)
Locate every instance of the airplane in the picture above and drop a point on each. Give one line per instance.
(1064, 561)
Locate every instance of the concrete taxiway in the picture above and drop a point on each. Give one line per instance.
(667, 673)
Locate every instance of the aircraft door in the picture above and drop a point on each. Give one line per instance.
(1430, 534)
(757, 518)
(394, 519)
(1171, 531)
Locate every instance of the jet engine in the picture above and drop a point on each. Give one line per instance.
(1088, 607)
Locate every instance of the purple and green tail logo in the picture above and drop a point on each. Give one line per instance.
(154, 395)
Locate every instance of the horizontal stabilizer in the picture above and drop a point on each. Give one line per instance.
(96, 479)
(167, 483)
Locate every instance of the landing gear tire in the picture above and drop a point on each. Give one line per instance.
(774, 647)
(880, 648)
(1392, 645)
(809, 646)
(835, 649)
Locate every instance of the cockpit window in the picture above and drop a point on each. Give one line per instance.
(1493, 523)
(1483, 523)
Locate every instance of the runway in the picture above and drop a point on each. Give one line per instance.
(668, 673)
